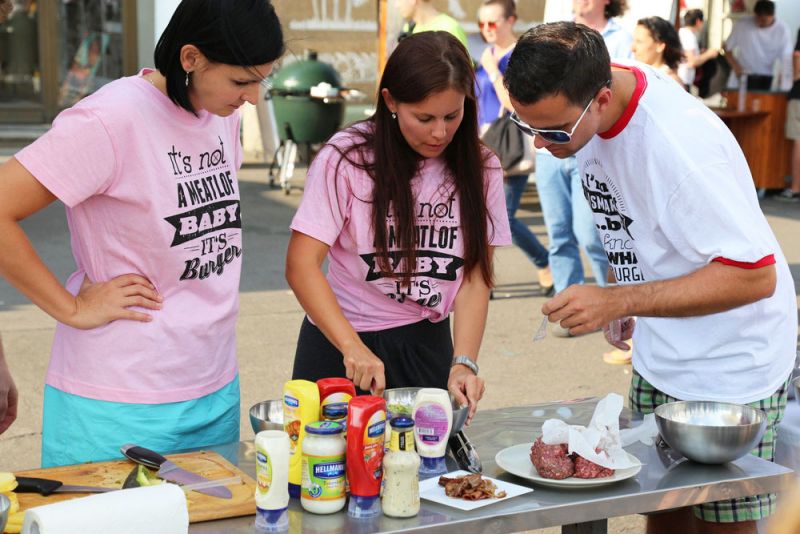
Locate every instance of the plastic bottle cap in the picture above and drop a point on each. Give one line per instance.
(361, 507)
(324, 428)
(401, 422)
(294, 490)
(430, 467)
(272, 520)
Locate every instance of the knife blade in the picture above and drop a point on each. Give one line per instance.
(45, 486)
(169, 471)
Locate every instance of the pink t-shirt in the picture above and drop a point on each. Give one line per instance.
(336, 210)
(150, 189)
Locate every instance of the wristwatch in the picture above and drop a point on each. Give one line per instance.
(466, 362)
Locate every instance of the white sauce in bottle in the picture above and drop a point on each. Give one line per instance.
(401, 472)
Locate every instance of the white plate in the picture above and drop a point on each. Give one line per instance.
(430, 489)
(517, 461)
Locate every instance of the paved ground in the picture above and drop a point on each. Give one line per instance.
(516, 370)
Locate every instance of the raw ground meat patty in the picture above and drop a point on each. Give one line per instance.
(552, 461)
(587, 469)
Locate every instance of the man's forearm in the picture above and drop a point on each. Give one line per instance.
(712, 289)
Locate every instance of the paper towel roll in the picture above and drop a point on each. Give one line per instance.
(153, 509)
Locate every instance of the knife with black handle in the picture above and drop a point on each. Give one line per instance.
(167, 470)
(45, 487)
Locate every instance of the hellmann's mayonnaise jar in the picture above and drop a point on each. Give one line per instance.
(322, 490)
(401, 471)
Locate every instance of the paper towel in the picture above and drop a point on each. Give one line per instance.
(602, 433)
(152, 509)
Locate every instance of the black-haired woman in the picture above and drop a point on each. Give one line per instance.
(407, 206)
(145, 346)
(656, 43)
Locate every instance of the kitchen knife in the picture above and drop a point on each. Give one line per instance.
(169, 471)
(44, 486)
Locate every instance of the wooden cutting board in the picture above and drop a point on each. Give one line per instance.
(112, 474)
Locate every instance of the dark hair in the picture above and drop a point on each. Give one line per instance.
(509, 6)
(615, 8)
(423, 64)
(691, 17)
(664, 32)
(764, 8)
(234, 32)
(558, 58)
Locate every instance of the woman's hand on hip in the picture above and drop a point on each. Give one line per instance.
(466, 387)
(99, 303)
(364, 368)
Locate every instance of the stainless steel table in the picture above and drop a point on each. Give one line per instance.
(666, 481)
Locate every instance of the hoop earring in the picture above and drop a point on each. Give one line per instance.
(394, 116)
(186, 82)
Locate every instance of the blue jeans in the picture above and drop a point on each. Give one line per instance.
(569, 221)
(521, 235)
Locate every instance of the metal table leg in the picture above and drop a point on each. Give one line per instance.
(591, 527)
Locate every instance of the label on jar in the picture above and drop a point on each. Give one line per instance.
(334, 403)
(374, 439)
(263, 471)
(291, 421)
(431, 423)
(323, 477)
(402, 440)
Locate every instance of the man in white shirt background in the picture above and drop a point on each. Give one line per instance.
(756, 44)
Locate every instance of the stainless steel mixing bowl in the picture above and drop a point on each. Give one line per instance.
(267, 415)
(5, 506)
(405, 397)
(710, 432)
(796, 386)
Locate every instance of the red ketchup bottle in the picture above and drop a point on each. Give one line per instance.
(366, 429)
(334, 396)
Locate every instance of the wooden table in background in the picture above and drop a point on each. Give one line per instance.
(760, 132)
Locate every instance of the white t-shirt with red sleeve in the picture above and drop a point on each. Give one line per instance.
(337, 210)
(671, 192)
(150, 189)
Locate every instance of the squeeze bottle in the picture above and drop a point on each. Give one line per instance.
(366, 428)
(300, 407)
(334, 396)
(272, 479)
(433, 416)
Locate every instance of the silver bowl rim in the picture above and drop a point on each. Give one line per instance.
(5, 504)
(760, 414)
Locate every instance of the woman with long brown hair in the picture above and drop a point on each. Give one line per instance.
(407, 206)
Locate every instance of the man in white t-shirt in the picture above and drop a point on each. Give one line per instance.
(756, 44)
(677, 212)
(692, 27)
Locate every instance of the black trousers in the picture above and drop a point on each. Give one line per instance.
(415, 355)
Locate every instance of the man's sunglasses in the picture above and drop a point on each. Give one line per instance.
(490, 25)
(558, 137)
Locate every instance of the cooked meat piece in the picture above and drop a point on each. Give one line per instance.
(587, 469)
(552, 461)
(470, 488)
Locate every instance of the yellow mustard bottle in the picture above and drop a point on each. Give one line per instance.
(300, 407)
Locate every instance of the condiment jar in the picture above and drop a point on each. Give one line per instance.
(300, 407)
(322, 490)
(401, 471)
(272, 481)
(433, 417)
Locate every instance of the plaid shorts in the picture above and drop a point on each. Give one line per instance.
(644, 398)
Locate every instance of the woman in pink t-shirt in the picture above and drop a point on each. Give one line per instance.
(407, 206)
(145, 345)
